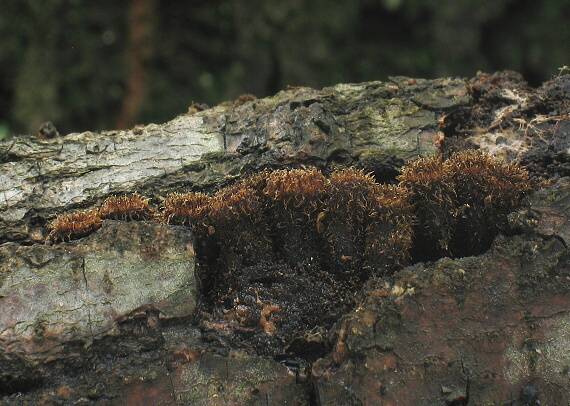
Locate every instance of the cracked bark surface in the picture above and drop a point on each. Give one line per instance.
(110, 319)
(475, 330)
(377, 124)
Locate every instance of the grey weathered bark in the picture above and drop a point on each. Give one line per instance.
(118, 307)
(388, 122)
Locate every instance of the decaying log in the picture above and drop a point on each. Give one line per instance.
(388, 122)
(114, 318)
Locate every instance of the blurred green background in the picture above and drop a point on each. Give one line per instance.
(113, 64)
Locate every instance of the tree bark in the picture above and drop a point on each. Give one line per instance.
(114, 317)
(378, 125)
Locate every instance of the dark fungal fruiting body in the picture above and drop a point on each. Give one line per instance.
(187, 209)
(295, 199)
(235, 215)
(350, 203)
(432, 195)
(388, 232)
(367, 225)
(71, 226)
(78, 224)
(126, 207)
(486, 189)
(461, 203)
(191, 209)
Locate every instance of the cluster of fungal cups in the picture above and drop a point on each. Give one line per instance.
(347, 223)
(283, 254)
(77, 224)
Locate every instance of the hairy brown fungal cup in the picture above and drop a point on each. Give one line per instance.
(432, 194)
(486, 189)
(126, 207)
(191, 209)
(461, 203)
(236, 217)
(188, 209)
(349, 205)
(295, 198)
(388, 233)
(71, 226)
(368, 226)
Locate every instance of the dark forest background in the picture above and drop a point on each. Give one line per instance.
(113, 64)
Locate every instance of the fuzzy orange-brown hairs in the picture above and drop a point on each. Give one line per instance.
(126, 207)
(70, 226)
